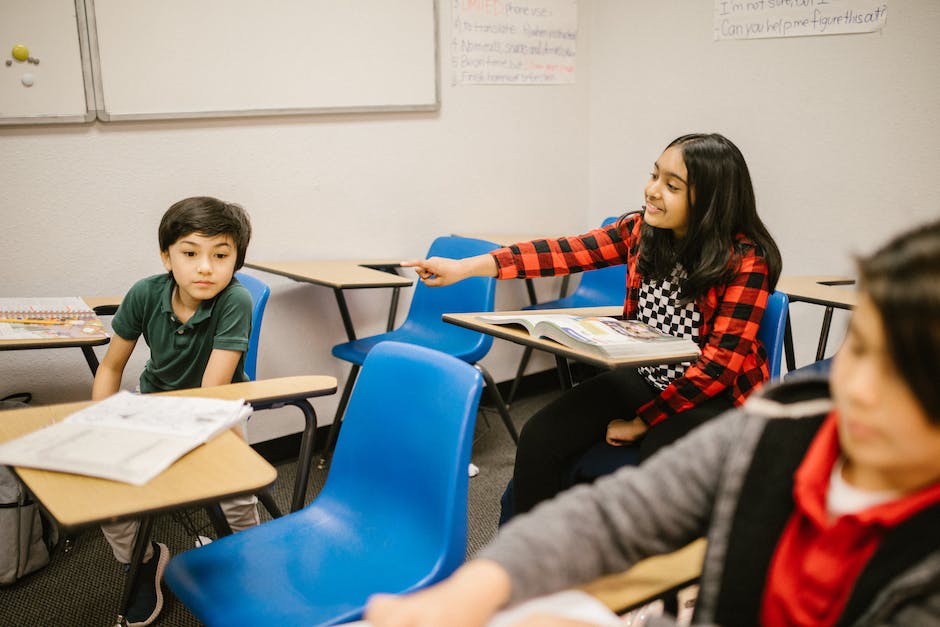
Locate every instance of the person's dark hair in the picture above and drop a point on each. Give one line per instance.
(902, 278)
(724, 206)
(206, 216)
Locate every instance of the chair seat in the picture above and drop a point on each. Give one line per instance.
(461, 343)
(283, 560)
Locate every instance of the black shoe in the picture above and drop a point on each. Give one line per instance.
(147, 596)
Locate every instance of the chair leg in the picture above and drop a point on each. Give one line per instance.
(340, 410)
(267, 499)
(498, 401)
(526, 355)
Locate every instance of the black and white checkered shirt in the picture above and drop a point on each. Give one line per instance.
(658, 307)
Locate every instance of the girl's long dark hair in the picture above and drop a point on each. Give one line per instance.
(724, 206)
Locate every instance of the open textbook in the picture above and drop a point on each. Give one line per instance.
(48, 318)
(604, 336)
(127, 437)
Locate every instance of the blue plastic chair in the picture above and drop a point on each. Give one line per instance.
(259, 299)
(392, 516)
(771, 331)
(423, 325)
(603, 286)
(260, 292)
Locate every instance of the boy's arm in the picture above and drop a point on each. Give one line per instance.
(109, 373)
(221, 367)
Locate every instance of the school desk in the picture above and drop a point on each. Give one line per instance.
(85, 344)
(222, 468)
(562, 353)
(342, 275)
(832, 292)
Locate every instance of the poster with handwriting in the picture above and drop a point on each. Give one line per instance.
(514, 42)
(757, 19)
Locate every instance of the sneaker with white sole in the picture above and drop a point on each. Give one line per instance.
(147, 596)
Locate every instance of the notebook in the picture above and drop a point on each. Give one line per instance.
(48, 318)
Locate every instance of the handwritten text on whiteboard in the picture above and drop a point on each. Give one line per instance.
(755, 19)
(514, 42)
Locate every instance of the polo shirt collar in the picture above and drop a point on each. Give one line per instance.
(203, 312)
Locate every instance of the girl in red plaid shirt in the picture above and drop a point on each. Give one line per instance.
(700, 264)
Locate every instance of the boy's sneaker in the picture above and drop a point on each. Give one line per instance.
(147, 595)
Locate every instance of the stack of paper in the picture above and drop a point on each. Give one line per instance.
(126, 437)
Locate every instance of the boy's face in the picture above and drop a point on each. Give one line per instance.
(886, 436)
(202, 266)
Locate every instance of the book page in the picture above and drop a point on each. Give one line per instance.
(62, 329)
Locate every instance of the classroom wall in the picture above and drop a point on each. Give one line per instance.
(81, 204)
(840, 132)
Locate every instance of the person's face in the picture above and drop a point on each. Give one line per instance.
(202, 266)
(884, 431)
(667, 193)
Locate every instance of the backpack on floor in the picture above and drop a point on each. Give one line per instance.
(22, 546)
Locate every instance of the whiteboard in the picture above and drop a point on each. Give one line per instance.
(54, 34)
(156, 59)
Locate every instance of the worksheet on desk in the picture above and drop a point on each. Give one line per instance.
(127, 437)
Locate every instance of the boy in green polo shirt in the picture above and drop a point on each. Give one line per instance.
(196, 319)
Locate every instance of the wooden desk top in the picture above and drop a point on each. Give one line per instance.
(224, 467)
(351, 274)
(649, 578)
(519, 335)
(829, 291)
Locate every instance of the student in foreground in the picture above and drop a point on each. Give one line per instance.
(817, 511)
(196, 319)
(700, 264)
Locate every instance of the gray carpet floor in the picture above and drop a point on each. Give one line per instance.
(81, 585)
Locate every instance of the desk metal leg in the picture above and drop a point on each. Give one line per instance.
(498, 401)
(338, 418)
(217, 518)
(140, 547)
(824, 334)
(306, 453)
(393, 309)
(344, 312)
(91, 358)
(788, 346)
(564, 372)
(530, 289)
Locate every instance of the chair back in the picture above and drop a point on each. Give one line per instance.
(771, 332)
(392, 516)
(402, 456)
(473, 294)
(259, 299)
(599, 287)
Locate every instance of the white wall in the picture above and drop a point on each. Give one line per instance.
(81, 206)
(841, 133)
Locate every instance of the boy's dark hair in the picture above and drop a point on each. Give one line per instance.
(207, 216)
(724, 206)
(902, 279)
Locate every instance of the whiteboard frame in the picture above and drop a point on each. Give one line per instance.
(90, 106)
(103, 115)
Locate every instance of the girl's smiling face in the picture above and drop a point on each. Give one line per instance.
(888, 439)
(668, 193)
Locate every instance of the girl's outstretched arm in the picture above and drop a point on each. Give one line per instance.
(440, 271)
(468, 598)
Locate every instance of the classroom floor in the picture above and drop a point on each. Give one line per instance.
(81, 587)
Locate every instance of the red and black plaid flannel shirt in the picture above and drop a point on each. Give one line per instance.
(732, 362)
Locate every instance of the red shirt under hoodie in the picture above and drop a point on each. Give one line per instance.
(818, 558)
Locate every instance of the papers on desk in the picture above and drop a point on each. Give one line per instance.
(128, 437)
(48, 318)
(572, 604)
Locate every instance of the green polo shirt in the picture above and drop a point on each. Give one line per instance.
(180, 352)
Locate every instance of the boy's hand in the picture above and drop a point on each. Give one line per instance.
(620, 432)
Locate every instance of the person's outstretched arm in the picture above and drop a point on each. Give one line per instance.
(468, 598)
(109, 373)
(440, 271)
